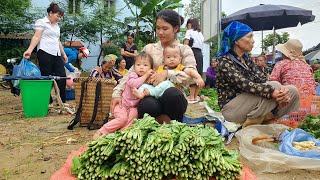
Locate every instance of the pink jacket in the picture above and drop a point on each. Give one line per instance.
(128, 99)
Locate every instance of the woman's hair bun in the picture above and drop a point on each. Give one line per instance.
(181, 20)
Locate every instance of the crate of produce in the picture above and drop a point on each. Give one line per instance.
(293, 120)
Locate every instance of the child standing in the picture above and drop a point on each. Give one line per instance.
(126, 112)
(172, 60)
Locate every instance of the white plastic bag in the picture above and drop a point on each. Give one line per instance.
(267, 159)
(72, 75)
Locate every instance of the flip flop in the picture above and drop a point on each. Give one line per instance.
(192, 101)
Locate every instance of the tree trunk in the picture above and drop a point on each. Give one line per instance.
(137, 39)
(100, 47)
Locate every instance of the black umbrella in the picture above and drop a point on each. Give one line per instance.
(267, 17)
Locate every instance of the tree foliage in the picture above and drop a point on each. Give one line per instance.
(279, 39)
(14, 15)
(193, 10)
(95, 23)
(98, 26)
(144, 15)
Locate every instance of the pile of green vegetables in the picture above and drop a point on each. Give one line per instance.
(317, 75)
(212, 94)
(148, 150)
(312, 125)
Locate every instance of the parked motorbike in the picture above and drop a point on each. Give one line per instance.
(8, 69)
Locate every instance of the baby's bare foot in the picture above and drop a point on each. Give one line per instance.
(137, 93)
(146, 92)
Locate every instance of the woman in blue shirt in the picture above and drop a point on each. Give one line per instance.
(75, 55)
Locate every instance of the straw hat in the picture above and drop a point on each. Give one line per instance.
(292, 48)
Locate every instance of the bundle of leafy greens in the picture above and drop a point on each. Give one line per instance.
(212, 100)
(148, 150)
(312, 125)
(317, 75)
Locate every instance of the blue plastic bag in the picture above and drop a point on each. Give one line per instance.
(298, 135)
(318, 90)
(25, 68)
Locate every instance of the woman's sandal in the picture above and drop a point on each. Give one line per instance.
(190, 101)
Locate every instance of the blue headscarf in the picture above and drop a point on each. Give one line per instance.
(232, 33)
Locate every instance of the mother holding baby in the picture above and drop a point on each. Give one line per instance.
(173, 104)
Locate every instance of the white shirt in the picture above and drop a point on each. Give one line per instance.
(49, 41)
(197, 38)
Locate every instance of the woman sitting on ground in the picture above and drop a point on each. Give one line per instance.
(211, 76)
(172, 104)
(105, 70)
(293, 69)
(121, 66)
(245, 95)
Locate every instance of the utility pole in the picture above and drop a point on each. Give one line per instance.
(219, 7)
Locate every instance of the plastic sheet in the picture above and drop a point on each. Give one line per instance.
(64, 173)
(298, 135)
(268, 159)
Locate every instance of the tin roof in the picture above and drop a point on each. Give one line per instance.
(13, 35)
(73, 44)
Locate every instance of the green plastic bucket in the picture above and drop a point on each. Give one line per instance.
(35, 97)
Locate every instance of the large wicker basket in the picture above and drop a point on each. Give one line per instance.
(88, 101)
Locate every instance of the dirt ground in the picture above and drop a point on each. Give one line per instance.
(34, 148)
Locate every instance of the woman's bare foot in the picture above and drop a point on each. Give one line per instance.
(97, 135)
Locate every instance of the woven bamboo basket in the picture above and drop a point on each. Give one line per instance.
(103, 110)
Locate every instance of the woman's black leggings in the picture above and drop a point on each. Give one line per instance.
(199, 59)
(53, 65)
(172, 103)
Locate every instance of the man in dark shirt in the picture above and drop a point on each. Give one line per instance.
(262, 64)
(245, 95)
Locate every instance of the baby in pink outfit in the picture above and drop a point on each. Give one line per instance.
(127, 112)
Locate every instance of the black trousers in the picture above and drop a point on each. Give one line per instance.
(172, 103)
(199, 60)
(53, 65)
(210, 82)
(129, 62)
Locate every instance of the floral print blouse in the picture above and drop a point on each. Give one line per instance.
(238, 76)
(297, 73)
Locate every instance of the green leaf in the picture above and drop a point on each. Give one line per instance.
(148, 8)
(175, 5)
(75, 166)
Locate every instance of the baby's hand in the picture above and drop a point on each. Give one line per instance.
(200, 82)
(149, 72)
